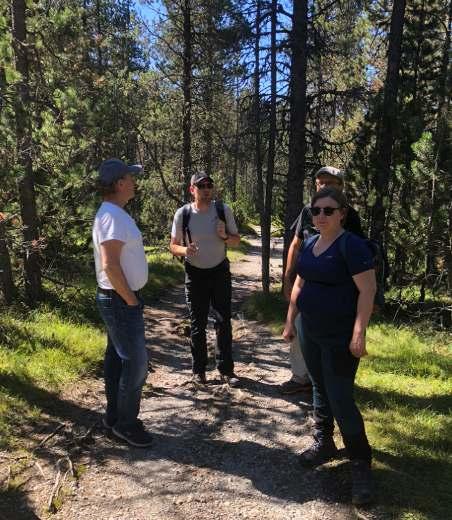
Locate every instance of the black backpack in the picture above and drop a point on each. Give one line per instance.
(381, 266)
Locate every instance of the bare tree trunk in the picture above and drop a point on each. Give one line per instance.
(257, 112)
(6, 272)
(266, 214)
(385, 136)
(24, 156)
(443, 147)
(187, 83)
(297, 136)
(236, 144)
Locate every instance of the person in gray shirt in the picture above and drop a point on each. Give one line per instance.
(207, 274)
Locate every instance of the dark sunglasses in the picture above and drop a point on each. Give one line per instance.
(326, 211)
(203, 185)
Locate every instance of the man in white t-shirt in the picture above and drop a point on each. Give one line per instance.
(121, 271)
(207, 275)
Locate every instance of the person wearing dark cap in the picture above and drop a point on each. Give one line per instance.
(325, 177)
(121, 271)
(200, 236)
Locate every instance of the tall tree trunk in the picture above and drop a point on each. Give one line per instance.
(385, 136)
(266, 214)
(236, 143)
(27, 197)
(257, 112)
(443, 148)
(187, 85)
(6, 272)
(297, 136)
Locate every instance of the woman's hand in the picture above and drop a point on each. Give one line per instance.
(358, 345)
(289, 332)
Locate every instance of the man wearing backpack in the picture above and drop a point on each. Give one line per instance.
(200, 233)
(327, 176)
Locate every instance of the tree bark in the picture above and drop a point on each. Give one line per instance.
(6, 272)
(443, 147)
(187, 91)
(267, 207)
(385, 136)
(24, 145)
(257, 112)
(297, 135)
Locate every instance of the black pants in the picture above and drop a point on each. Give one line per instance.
(332, 369)
(205, 288)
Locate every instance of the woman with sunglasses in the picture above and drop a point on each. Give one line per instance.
(334, 292)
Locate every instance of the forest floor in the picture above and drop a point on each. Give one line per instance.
(218, 452)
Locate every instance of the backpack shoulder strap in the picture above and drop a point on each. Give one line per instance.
(219, 207)
(186, 213)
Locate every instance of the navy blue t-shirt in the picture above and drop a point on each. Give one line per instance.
(328, 298)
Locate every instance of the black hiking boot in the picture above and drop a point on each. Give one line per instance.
(362, 488)
(320, 452)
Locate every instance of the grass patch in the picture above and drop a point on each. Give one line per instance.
(235, 254)
(269, 309)
(404, 390)
(44, 349)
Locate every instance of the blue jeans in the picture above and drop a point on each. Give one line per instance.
(332, 369)
(126, 359)
(205, 287)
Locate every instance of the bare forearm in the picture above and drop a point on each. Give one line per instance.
(291, 260)
(119, 283)
(232, 240)
(178, 250)
(364, 311)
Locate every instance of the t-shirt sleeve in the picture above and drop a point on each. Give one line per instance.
(231, 226)
(176, 229)
(359, 257)
(110, 227)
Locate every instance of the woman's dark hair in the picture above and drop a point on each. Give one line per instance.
(335, 194)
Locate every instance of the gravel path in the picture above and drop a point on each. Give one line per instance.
(218, 453)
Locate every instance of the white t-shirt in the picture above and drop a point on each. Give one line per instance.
(113, 223)
(203, 230)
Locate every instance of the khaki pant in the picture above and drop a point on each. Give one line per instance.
(297, 364)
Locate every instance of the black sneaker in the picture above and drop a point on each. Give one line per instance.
(199, 379)
(293, 387)
(231, 380)
(361, 483)
(320, 452)
(136, 435)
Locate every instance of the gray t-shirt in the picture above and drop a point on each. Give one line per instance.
(203, 229)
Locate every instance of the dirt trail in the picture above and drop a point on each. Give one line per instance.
(218, 453)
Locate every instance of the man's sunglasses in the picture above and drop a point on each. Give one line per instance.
(203, 185)
(326, 211)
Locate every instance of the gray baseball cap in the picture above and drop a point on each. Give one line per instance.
(113, 169)
(330, 170)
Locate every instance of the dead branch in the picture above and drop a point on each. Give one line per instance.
(57, 429)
